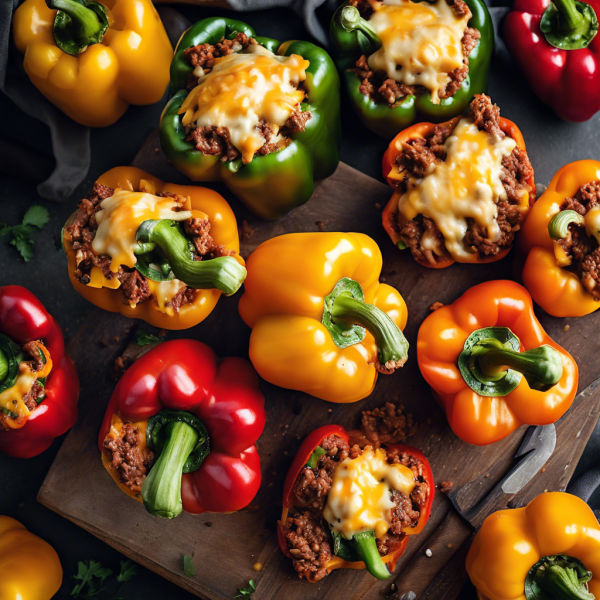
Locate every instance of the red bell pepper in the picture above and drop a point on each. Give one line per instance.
(27, 432)
(559, 51)
(309, 445)
(201, 416)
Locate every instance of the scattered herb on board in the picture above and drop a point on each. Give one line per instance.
(143, 338)
(36, 216)
(188, 566)
(247, 591)
(94, 579)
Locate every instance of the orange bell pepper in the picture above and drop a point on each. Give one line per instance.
(122, 58)
(557, 290)
(223, 230)
(548, 549)
(390, 214)
(473, 352)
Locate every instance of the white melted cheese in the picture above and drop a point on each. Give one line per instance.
(592, 223)
(421, 42)
(12, 398)
(243, 89)
(360, 498)
(119, 218)
(164, 291)
(467, 184)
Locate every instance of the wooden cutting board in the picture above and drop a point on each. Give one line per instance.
(224, 547)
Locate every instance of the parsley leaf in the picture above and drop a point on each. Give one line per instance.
(247, 591)
(188, 566)
(35, 217)
(92, 574)
(128, 571)
(143, 338)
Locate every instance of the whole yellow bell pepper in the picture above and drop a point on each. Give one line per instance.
(29, 566)
(92, 60)
(548, 550)
(321, 321)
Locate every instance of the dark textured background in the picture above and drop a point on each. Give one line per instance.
(551, 143)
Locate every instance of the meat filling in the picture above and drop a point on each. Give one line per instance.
(134, 286)
(383, 89)
(418, 158)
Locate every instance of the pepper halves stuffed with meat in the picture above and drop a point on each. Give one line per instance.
(321, 321)
(405, 61)
(462, 188)
(91, 59)
(159, 252)
(39, 388)
(561, 242)
(491, 366)
(180, 431)
(260, 115)
(336, 471)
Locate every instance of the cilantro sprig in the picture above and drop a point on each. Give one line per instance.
(35, 217)
(247, 591)
(93, 580)
(143, 338)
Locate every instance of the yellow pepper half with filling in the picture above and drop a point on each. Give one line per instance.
(321, 321)
(29, 566)
(548, 550)
(93, 60)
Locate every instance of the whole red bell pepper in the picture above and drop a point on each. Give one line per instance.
(201, 417)
(25, 431)
(303, 456)
(559, 51)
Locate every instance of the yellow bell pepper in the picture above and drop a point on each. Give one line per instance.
(93, 66)
(303, 298)
(548, 550)
(29, 566)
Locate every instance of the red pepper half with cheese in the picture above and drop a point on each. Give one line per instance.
(462, 188)
(39, 388)
(328, 480)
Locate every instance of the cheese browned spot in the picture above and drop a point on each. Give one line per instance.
(360, 498)
(243, 89)
(468, 184)
(421, 42)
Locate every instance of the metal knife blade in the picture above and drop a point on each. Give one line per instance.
(535, 450)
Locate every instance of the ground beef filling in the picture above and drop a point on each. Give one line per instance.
(215, 141)
(307, 533)
(131, 463)
(582, 250)
(134, 286)
(416, 160)
(383, 89)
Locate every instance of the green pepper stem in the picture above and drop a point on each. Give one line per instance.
(350, 20)
(570, 18)
(161, 490)
(3, 366)
(366, 546)
(223, 273)
(559, 578)
(558, 228)
(392, 346)
(542, 367)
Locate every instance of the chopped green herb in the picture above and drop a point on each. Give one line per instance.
(143, 338)
(247, 591)
(93, 578)
(128, 571)
(36, 216)
(188, 566)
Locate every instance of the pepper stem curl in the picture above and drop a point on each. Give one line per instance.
(366, 546)
(350, 20)
(558, 578)
(558, 228)
(569, 24)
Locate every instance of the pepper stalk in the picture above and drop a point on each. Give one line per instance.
(558, 228)
(569, 24)
(350, 20)
(558, 578)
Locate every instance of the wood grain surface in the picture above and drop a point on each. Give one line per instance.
(224, 547)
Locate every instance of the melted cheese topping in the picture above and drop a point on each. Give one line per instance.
(360, 497)
(118, 221)
(164, 291)
(421, 42)
(592, 223)
(467, 184)
(243, 89)
(12, 398)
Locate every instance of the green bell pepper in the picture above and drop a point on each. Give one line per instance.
(351, 38)
(271, 185)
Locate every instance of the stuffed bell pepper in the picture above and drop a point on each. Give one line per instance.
(260, 115)
(548, 550)
(29, 566)
(561, 243)
(555, 43)
(492, 367)
(461, 188)
(39, 388)
(321, 321)
(180, 431)
(335, 472)
(91, 59)
(405, 61)
(159, 252)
